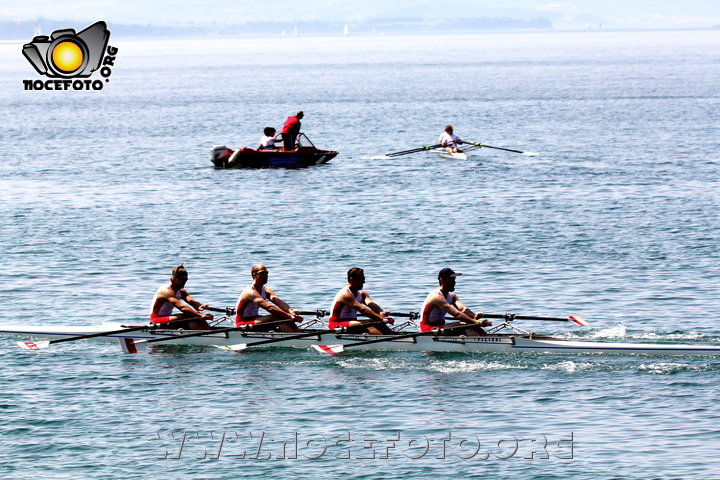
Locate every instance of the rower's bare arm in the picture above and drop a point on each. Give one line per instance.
(271, 308)
(187, 309)
(278, 301)
(440, 302)
(194, 303)
(476, 317)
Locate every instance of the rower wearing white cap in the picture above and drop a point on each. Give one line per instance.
(442, 301)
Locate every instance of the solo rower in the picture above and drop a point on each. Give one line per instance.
(256, 296)
(450, 141)
(172, 296)
(353, 299)
(443, 300)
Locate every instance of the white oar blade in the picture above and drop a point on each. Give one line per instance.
(130, 345)
(34, 345)
(531, 154)
(577, 320)
(329, 349)
(233, 348)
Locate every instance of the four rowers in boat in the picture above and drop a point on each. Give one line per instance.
(349, 301)
(256, 296)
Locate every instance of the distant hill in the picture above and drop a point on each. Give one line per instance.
(10, 30)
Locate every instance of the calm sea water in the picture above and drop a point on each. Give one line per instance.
(102, 193)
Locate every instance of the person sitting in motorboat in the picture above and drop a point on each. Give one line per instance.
(450, 141)
(443, 301)
(353, 299)
(257, 295)
(267, 142)
(172, 296)
(291, 130)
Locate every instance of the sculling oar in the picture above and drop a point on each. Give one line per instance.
(341, 347)
(47, 343)
(414, 150)
(530, 154)
(509, 317)
(141, 345)
(227, 310)
(243, 346)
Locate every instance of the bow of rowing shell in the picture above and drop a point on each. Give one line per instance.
(495, 343)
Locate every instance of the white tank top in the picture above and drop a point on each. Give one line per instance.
(166, 308)
(250, 309)
(340, 310)
(436, 315)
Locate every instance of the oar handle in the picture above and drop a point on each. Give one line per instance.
(227, 310)
(410, 315)
(318, 313)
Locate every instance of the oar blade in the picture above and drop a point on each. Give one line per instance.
(577, 320)
(531, 154)
(329, 349)
(130, 345)
(34, 345)
(233, 348)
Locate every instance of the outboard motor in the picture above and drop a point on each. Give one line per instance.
(219, 156)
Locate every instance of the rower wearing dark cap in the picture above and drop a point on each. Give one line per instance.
(443, 301)
(174, 295)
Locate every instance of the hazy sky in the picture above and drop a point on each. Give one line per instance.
(614, 13)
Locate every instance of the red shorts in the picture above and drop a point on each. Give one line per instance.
(245, 321)
(340, 322)
(426, 327)
(158, 319)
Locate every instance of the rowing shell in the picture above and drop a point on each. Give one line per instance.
(494, 343)
(451, 155)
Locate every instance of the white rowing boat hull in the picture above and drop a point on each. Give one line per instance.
(499, 343)
(453, 156)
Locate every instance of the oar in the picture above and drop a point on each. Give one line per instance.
(509, 317)
(414, 150)
(243, 346)
(141, 345)
(46, 343)
(531, 154)
(341, 348)
(227, 310)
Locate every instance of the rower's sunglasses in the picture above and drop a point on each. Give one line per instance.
(262, 272)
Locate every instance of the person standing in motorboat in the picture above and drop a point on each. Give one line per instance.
(256, 296)
(172, 296)
(291, 130)
(450, 141)
(267, 142)
(443, 301)
(352, 299)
